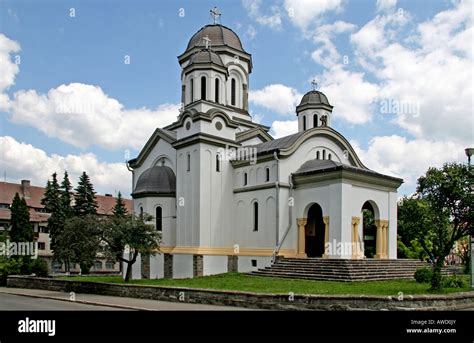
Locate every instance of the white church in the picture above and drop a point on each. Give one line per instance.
(228, 197)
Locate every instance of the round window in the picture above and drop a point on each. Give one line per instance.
(188, 125)
(219, 125)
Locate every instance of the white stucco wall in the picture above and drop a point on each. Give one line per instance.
(182, 266)
(245, 263)
(214, 264)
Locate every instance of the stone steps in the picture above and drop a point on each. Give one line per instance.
(341, 270)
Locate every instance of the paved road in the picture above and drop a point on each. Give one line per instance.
(36, 299)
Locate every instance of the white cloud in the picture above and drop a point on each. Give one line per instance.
(283, 128)
(386, 5)
(254, 10)
(303, 13)
(251, 32)
(24, 161)
(8, 68)
(397, 156)
(83, 115)
(277, 97)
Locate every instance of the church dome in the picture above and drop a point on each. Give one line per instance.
(156, 180)
(314, 98)
(219, 36)
(206, 57)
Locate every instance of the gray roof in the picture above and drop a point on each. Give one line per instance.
(156, 180)
(280, 143)
(314, 98)
(313, 165)
(205, 57)
(219, 36)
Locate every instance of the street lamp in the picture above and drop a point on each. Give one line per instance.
(469, 152)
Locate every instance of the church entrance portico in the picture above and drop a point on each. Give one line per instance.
(313, 232)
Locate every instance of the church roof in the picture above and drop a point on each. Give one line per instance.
(155, 181)
(219, 35)
(279, 143)
(205, 57)
(314, 98)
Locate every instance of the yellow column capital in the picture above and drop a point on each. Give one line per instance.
(301, 221)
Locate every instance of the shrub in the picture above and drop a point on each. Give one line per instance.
(8, 266)
(453, 281)
(423, 275)
(39, 267)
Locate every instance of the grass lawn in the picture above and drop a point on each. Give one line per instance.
(243, 282)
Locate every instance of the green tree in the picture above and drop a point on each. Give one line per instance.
(439, 214)
(21, 229)
(120, 210)
(66, 196)
(85, 202)
(125, 237)
(80, 240)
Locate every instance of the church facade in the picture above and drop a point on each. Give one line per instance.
(226, 196)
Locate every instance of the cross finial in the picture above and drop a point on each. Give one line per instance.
(207, 41)
(216, 15)
(314, 84)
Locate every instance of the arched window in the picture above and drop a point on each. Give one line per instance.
(218, 163)
(267, 174)
(315, 120)
(304, 123)
(216, 91)
(159, 218)
(245, 179)
(329, 157)
(324, 154)
(232, 92)
(191, 90)
(317, 155)
(141, 212)
(203, 88)
(188, 163)
(255, 216)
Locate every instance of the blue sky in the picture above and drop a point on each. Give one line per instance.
(364, 54)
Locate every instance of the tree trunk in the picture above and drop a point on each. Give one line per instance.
(436, 285)
(129, 266)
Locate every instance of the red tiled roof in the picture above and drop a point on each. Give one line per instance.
(35, 194)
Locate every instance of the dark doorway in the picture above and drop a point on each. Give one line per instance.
(369, 229)
(314, 245)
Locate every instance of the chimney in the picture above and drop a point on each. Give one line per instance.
(108, 195)
(25, 188)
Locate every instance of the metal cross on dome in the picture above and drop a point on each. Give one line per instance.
(314, 84)
(216, 15)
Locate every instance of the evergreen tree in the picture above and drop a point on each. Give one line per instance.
(119, 209)
(52, 203)
(85, 202)
(21, 229)
(66, 196)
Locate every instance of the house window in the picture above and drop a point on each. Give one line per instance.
(218, 163)
(315, 120)
(191, 90)
(159, 218)
(217, 90)
(203, 88)
(324, 154)
(253, 262)
(41, 246)
(329, 157)
(245, 179)
(304, 123)
(98, 265)
(232, 92)
(109, 265)
(255, 216)
(317, 155)
(188, 163)
(267, 174)
(141, 212)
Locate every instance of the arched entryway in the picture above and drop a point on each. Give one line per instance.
(314, 232)
(369, 229)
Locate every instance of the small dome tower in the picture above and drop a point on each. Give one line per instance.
(314, 110)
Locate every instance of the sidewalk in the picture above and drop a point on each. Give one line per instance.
(117, 302)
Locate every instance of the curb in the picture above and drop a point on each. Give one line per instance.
(85, 302)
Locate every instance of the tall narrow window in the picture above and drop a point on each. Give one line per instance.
(255, 216)
(329, 157)
(141, 212)
(218, 163)
(317, 155)
(324, 154)
(245, 179)
(216, 93)
(159, 218)
(267, 174)
(188, 163)
(232, 92)
(191, 90)
(315, 120)
(304, 123)
(203, 88)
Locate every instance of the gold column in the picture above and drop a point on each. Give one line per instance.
(326, 234)
(356, 253)
(385, 239)
(301, 222)
(381, 243)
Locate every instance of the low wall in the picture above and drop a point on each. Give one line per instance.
(250, 300)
